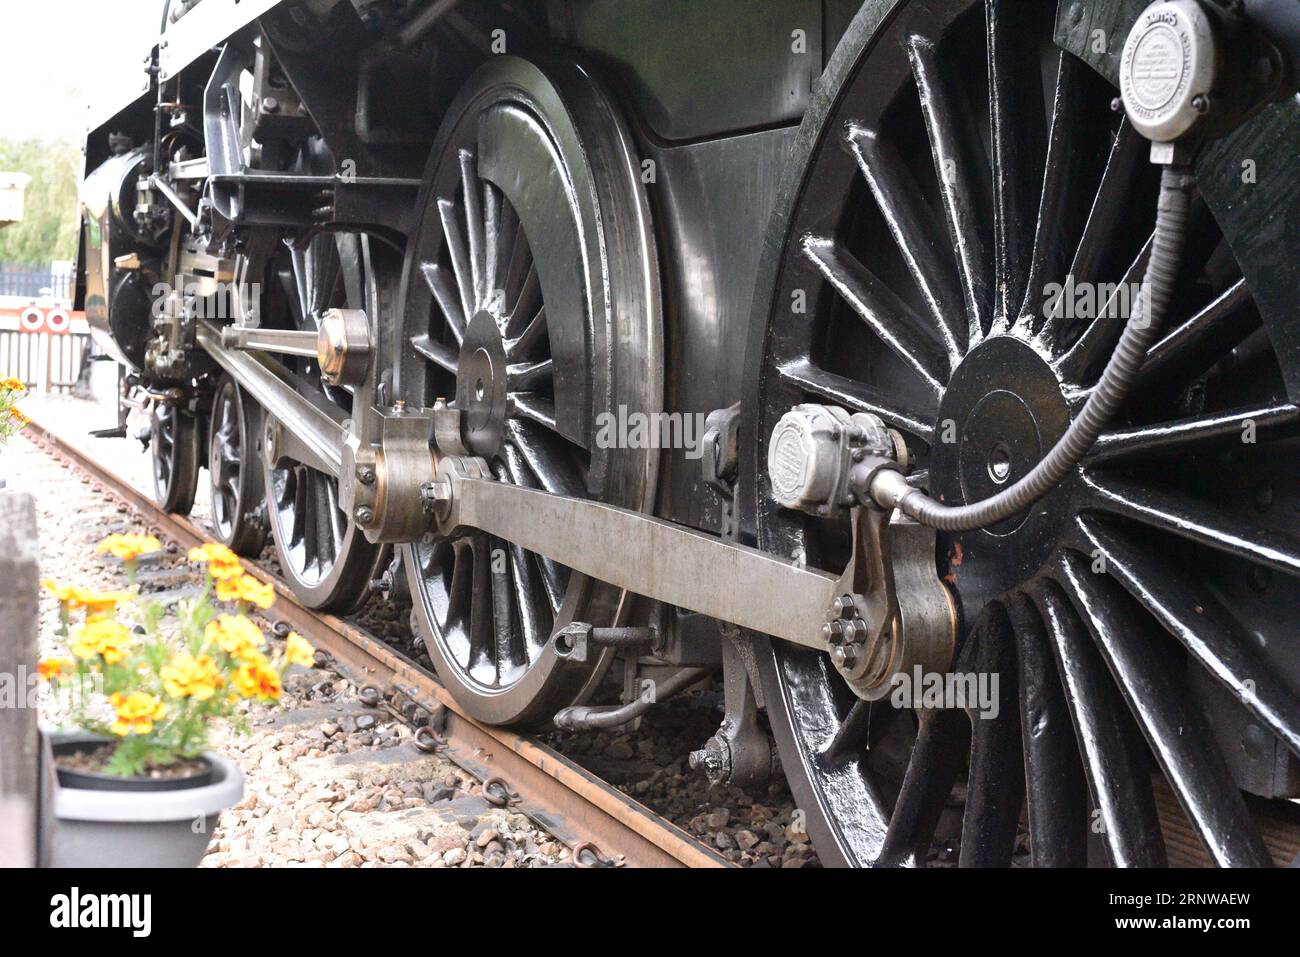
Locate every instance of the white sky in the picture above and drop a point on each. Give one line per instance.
(58, 56)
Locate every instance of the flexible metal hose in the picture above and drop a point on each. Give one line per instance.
(1113, 388)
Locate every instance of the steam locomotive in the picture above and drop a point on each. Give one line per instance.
(927, 369)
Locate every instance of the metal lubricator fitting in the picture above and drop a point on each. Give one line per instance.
(892, 613)
(813, 449)
(343, 346)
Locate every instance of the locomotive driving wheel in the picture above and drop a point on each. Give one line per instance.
(174, 450)
(233, 470)
(955, 169)
(531, 304)
(326, 559)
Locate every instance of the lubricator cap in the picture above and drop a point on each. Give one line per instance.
(1168, 68)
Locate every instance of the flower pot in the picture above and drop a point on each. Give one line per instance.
(106, 821)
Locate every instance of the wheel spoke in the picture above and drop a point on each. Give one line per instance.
(529, 301)
(942, 742)
(1114, 765)
(491, 239)
(1094, 346)
(546, 460)
(1066, 142)
(1203, 339)
(436, 352)
(858, 397)
(533, 334)
(553, 576)
(1204, 627)
(916, 234)
(474, 227)
(527, 376)
(459, 256)
(1273, 419)
(1178, 735)
(884, 313)
(960, 167)
(1193, 520)
(1056, 793)
(435, 277)
(995, 785)
(1015, 107)
(536, 408)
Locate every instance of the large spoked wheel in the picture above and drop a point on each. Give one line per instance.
(324, 556)
(233, 470)
(174, 448)
(1136, 620)
(531, 300)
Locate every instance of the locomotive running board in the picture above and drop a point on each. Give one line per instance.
(652, 557)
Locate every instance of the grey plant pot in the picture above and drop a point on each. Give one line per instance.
(94, 828)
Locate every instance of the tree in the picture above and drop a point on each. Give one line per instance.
(49, 227)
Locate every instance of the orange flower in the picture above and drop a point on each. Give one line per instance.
(222, 562)
(14, 385)
(257, 680)
(53, 667)
(17, 415)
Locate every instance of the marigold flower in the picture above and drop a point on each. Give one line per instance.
(136, 712)
(14, 385)
(297, 651)
(128, 547)
(223, 564)
(95, 602)
(246, 588)
(237, 636)
(257, 680)
(53, 667)
(188, 677)
(19, 416)
(102, 637)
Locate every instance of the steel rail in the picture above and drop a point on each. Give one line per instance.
(565, 799)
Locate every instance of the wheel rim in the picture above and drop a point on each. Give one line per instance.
(1089, 606)
(326, 559)
(233, 485)
(522, 340)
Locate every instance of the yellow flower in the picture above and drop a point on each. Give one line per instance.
(222, 563)
(53, 667)
(104, 637)
(257, 680)
(297, 651)
(128, 547)
(95, 602)
(14, 385)
(136, 712)
(18, 416)
(237, 636)
(188, 677)
(246, 588)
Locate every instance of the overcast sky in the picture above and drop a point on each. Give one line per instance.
(57, 56)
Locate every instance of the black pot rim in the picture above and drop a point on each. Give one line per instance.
(99, 781)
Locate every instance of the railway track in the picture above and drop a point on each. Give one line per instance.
(602, 825)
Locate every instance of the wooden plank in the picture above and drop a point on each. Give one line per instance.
(19, 741)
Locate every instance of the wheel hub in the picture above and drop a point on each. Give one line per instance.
(1003, 410)
(481, 385)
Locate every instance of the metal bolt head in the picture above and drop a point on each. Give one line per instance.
(364, 515)
(1201, 103)
(270, 104)
(843, 607)
(366, 474)
(845, 656)
(833, 632)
